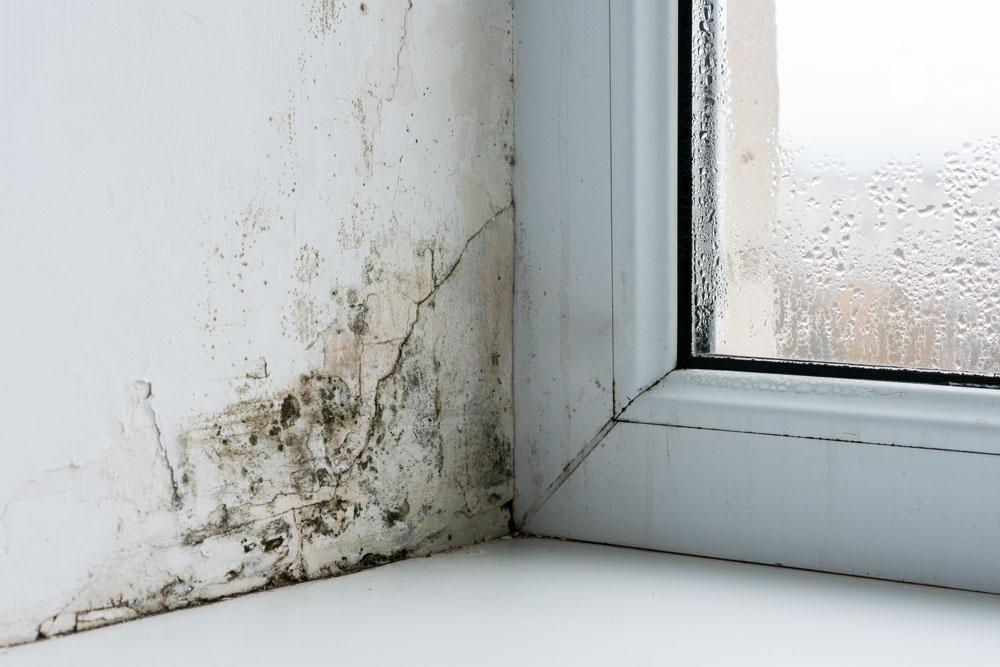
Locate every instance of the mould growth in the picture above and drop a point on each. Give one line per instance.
(386, 279)
(326, 477)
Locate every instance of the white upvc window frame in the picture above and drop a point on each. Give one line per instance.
(614, 444)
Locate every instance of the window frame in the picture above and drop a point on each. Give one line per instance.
(687, 356)
(616, 444)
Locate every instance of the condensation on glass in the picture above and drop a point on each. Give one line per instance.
(846, 193)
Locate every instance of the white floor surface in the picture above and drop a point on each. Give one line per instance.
(546, 602)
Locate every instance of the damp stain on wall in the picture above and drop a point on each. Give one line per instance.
(326, 476)
(339, 396)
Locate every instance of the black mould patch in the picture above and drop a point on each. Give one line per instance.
(289, 411)
(273, 543)
(391, 516)
(283, 578)
(358, 320)
(370, 560)
(177, 588)
(277, 532)
(324, 520)
(255, 449)
(492, 461)
(218, 523)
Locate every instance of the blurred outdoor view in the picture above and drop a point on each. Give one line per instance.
(847, 191)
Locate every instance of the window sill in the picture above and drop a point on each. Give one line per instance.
(532, 601)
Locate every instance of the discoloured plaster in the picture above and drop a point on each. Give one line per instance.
(337, 394)
(320, 480)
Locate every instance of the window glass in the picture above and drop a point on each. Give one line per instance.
(847, 181)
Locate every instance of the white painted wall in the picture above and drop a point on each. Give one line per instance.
(255, 273)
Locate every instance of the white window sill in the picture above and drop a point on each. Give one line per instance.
(533, 601)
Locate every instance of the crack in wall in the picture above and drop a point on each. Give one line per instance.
(162, 451)
(403, 43)
(409, 332)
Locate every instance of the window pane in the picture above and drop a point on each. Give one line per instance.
(847, 181)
